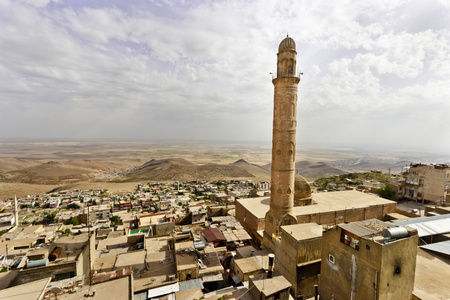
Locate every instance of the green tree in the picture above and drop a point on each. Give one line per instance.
(386, 192)
(114, 220)
(74, 222)
(67, 231)
(49, 218)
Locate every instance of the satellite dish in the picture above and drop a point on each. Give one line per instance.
(56, 289)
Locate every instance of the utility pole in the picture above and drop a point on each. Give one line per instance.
(89, 241)
(6, 259)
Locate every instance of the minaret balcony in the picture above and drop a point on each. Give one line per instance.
(289, 75)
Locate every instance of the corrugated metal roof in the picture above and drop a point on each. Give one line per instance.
(442, 247)
(191, 284)
(424, 219)
(429, 225)
(163, 290)
(213, 235)
(364, 228)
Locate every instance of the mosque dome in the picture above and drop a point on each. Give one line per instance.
(286, 45)
(302, 189)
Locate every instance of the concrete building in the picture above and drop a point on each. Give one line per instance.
(298, 257)
(368, 260)
(76, 258)
(97, 212)
(8, 220)
(245, 267)
(283, 142)
(426, 183)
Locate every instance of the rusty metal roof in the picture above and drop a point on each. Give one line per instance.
(213, 235)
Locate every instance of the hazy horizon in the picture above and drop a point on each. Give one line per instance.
(302, 149)
(376, 75)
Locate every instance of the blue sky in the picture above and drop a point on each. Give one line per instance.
(376, 73)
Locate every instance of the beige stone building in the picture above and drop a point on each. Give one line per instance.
(426, 183)
(298, 257)
(368, 260)
(327, 209)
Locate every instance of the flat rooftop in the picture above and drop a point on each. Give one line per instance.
(301, 232)
(135, 259)
(157, 244)
(269, 286)
(252, 263)
(113, 289)
(325, 202)
(431, 280)
(248, 251)
(33, 290)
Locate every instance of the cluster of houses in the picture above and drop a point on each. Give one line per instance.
(168, 239)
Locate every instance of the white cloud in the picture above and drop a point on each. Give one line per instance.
(203, 68)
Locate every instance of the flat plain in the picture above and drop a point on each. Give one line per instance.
(38, 167)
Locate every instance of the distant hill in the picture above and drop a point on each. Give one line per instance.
(53, 171)
(183, 170)
(314, 169)
(14, 164)
(396, 167)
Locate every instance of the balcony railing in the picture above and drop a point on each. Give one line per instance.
(294, 75)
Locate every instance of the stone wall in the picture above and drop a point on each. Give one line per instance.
(29, 275)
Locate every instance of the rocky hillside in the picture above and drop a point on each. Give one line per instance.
(181, 169)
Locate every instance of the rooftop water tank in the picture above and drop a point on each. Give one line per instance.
(55, 254)
(37, 263)
(199, 245)
(395, 232)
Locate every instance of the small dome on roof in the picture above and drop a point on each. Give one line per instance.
(286, 45)
(302, 189)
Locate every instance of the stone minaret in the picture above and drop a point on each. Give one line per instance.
(16, 212)
(283, 142)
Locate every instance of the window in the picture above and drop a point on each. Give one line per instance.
(331, 258)
(350, 239)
